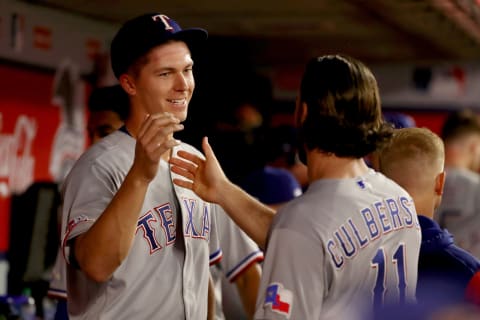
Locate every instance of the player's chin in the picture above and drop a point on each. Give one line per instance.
(180, 114)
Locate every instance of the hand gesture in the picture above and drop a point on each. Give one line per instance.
(154, 138)
(205, 176)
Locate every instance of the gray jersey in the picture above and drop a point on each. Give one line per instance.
(58, 282)
(239, 252)
(167, 269)
(459, 211)
(344, 247)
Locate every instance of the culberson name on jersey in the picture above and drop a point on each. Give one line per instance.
(382, 217)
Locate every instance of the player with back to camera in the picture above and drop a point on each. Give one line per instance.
(415, 160)
(137, 246)
(351, 241)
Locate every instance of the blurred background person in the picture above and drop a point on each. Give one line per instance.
(415, 160)
(108, 108)
(459, 211)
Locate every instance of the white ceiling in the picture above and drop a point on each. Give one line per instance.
(282, 31)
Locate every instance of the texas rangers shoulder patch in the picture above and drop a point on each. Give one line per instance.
(279, 299)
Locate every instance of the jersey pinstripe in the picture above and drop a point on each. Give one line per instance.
(164, 274)
(345, 245)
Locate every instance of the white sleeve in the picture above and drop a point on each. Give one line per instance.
(239, 251)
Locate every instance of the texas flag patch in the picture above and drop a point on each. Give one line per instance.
(279, 299)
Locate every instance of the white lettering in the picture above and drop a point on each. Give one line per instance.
(16, 161)
(164, 20)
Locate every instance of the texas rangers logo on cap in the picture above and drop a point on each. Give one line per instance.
(164, 19)
(279, 299)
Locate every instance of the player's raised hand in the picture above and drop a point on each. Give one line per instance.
(204, 176)
(154, 138)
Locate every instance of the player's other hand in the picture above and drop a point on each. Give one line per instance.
(154, 138)
(205, 177)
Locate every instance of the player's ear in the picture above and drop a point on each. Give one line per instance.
(440, 183)
(128, 83)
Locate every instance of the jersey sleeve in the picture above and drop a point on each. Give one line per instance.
(292, 286)
(86, 193)
(239, 251)
(58, 282)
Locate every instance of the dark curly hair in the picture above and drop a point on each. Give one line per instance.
(343, 108)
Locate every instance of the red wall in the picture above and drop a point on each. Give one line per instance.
(430, 119)
(25, 96)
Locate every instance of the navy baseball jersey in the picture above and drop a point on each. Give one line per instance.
(444, 270)
(166, 272)
(342, 248)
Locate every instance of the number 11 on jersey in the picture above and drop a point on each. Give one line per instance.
(381, 262)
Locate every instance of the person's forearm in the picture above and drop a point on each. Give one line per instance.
(101, 249)
(247, 284)
(253, 217)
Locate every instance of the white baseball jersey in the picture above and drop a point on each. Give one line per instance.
(459, 211)
(239, 252)
(166, 272)
(342, 248)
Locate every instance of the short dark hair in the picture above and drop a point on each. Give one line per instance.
(110, 98)
(460, 123)
(343, 108)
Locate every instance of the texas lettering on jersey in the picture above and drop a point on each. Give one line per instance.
(161, 219)
(382, 217)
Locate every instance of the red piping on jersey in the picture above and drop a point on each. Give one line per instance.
(216, 257)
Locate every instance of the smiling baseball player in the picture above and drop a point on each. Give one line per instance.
(137, 246)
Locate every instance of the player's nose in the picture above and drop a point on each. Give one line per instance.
(182, 82)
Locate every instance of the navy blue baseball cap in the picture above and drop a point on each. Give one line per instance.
(272, 185)
(138, 35)
(399, 120)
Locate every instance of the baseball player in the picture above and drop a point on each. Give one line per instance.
(137, 246)
(350, 243)
(459, 211)
(415, 160)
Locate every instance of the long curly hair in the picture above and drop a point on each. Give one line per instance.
(343, 108)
